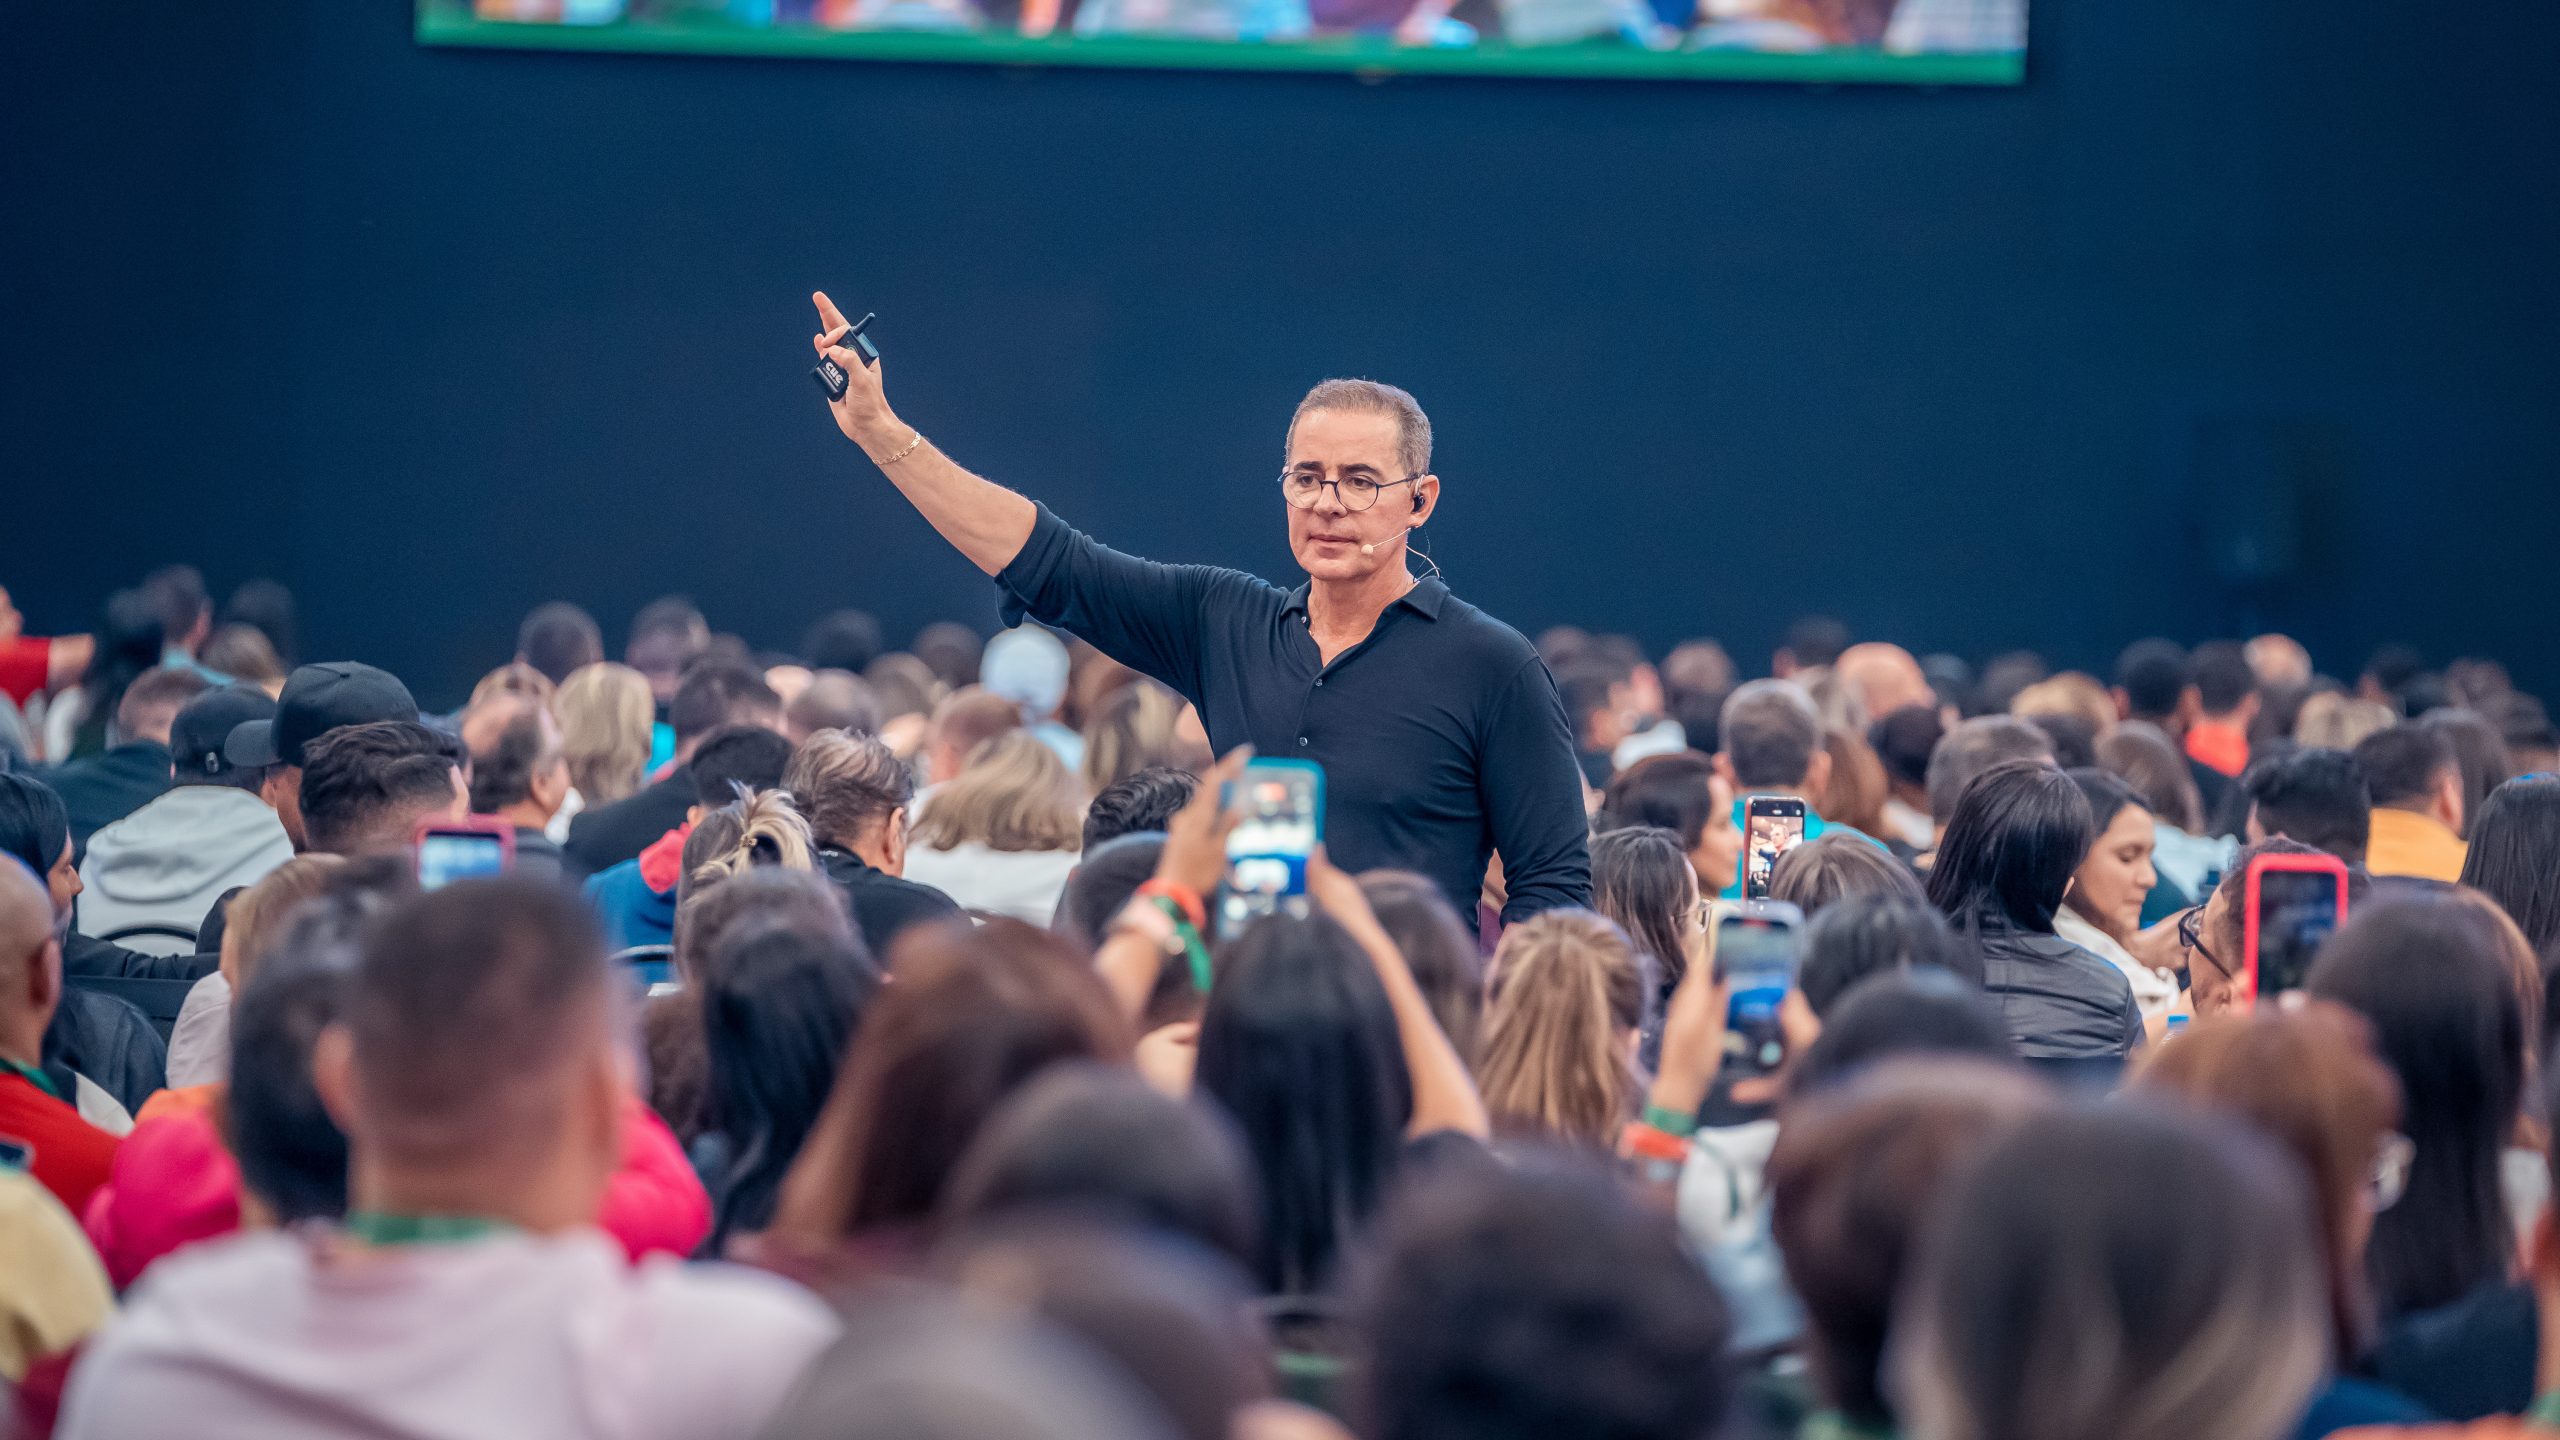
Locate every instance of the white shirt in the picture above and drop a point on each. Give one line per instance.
(1022, 884)
(277, 1335)
(2154, 990)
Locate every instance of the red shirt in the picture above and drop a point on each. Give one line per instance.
(71, 1156)
(26, 663)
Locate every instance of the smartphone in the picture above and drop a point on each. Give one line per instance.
(450, 850)
(1757, 948)
(2293, 903)
(1772, 825)
(1280, 818)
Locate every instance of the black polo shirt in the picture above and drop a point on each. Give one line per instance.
(1441, 735)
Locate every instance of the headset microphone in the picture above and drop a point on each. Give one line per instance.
(1368, 549)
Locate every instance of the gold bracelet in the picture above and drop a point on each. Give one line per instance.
(917, 438)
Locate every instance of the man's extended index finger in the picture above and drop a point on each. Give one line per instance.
(830, 319)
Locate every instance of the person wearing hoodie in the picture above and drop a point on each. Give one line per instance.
(166, 864)
(102, 789)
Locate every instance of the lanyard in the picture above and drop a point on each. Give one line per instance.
(380, 1227)
(32, 1076)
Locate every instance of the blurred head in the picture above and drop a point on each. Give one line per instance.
(2077, 1223)
(782, 990)
(559, 639)
(734, 758)
(1532, 1301)
(2391, 670)
(1570, 994)
(832, 700)
(854, 793)
(2315, 796)
(2151, 682)
(2115, 878)
(2071, 694)
(1903, 740)
(367, 788)
(1858, 1172)
(266, 607)
(1813, 643)
(2019, 834)
(244, 653)
(1096, 1141)
(514, 680)
(950, 650)
(2309, 1080)
(1143, 800)
(605, 718)
(2412, 767)
(2226, 688)
(1641, 882)
(153, 700)
(1855, 793)
(2137, 753)
(1772, 739)
(476, 1062)
(1134, 728)
(256, 919)
(1437, 947)
(966, 720)
(2278, 661)
(2339, 721)
(1868, 934)
(518, 767)
(1835, 866)
(1028, 666)
(177, 596)
(971, 1015)
(1356, 471)
(1914, 1010)
(1883, 678)
(2479, 753)
(847, 640)
(35, 830)
(757, 830)
(1014, 795)
(2515, 858)
(1683, 794)
(666, 636)
(1300, 1048)
(2433, 977)
(719, 693)
(30, 955)
(906, 685)
(1974, 747)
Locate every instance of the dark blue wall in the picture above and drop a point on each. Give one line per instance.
(435, 335)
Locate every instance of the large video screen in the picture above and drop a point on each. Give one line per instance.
(1933, 42)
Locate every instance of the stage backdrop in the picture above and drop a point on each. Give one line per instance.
(2232, 315)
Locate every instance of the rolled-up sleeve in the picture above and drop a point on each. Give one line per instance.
(1531, 786)
(1142, 613)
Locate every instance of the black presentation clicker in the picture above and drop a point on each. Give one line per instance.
(832, 379)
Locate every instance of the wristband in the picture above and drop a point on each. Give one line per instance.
(1188, 937)
(1671, 1122)
(1183, 896)
(2545, 1409)
(1655, 1155)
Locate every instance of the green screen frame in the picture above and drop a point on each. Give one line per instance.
(449, 22)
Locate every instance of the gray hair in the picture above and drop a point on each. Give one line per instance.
(1976, 746)
(1769, 730)
(1375, 397)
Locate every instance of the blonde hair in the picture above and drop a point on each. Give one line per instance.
(846, 782)
(605, 713)
(2331, 721)
(2069, 693)
(513, 678)
(255, 919)
(1131, 729)
(1014, 794)
(1568, 987)
(764, 828)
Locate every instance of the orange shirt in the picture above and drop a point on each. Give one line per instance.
(2409, 844)
(2222, 747)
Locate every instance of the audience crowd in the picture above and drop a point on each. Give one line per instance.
(845, 1053)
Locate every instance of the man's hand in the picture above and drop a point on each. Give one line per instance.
(1195, 840)
(862, 412)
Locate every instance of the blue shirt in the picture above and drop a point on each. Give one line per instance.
(1815, 827)
(1441, 735)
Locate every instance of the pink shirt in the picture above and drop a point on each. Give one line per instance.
(295, 1336)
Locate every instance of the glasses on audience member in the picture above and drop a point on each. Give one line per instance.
(1354, 492)
(2191, 938)
(2390, 1178)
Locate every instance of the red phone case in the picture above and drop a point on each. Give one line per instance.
(2299, 864)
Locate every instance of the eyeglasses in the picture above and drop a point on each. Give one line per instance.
(2191, 936)
(2390, 1178)
(1352, 492)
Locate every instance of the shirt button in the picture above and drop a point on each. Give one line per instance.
(1319, 684)
(1302, 739)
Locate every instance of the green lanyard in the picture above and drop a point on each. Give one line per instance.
(32, 1076)
(381, 1227)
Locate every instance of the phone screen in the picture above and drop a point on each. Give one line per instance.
(2297, 910)
(445, 856)
(1771, 829)
(1280, 805)
(1756, 955)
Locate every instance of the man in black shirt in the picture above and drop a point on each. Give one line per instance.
(1439, 729)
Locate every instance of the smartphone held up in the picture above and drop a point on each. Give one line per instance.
(1772, 825)
(1279, 805)
(450, 850)
(2292, 904)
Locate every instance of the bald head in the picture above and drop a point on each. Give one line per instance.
(1882, 678)
(2279, 661)
(30, 967)
(518, 766)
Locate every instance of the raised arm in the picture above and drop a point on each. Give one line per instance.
(984, 520)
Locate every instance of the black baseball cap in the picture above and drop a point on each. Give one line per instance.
(318, 699)
(203, 729)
